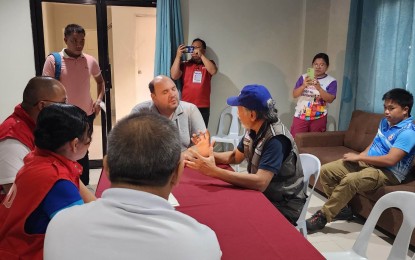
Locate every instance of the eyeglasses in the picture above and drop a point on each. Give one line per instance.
(51, 101)
(321, 65)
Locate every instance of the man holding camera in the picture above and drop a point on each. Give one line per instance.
(196, 75)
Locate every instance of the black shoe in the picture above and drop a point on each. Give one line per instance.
(316, 222)
(344, 214)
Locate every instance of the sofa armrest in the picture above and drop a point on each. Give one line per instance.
(320, 139)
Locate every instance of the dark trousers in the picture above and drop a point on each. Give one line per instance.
(205, 111)
(85, 161)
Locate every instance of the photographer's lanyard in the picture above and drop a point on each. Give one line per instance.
(197, 75)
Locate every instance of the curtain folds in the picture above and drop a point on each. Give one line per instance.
(169, 35)
(379, 54)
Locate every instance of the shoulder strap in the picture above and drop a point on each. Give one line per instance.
(58, 64)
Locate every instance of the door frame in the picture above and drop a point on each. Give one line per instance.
(103, 51)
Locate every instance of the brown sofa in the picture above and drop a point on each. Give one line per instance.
(330, 146)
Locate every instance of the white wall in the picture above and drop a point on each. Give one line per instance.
(132, 52)
(17, 63)
(266, 42)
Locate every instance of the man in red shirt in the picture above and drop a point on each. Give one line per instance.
(196, 75)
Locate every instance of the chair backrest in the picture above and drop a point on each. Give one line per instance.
(234, 126)
(403, 200)
(311, 166)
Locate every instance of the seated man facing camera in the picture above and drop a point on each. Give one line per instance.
(133, 219)
(165, 101)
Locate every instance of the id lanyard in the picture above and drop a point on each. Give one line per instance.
(197, 75)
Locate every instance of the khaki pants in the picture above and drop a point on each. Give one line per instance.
(341, 180)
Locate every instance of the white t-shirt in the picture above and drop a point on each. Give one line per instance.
(128, 224)
(12, 153)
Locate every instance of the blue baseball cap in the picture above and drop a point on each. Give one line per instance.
(253, 97)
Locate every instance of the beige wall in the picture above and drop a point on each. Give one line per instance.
(17, 63)
(266, 42)
(130, 87)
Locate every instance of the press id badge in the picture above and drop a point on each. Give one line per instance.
(197, 76)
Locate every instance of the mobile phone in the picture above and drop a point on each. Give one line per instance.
(310, 73)
(189, 49)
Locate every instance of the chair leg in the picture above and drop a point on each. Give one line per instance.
(302, 228)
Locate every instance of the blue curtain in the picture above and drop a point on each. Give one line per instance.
(169, 35)
(379, 54)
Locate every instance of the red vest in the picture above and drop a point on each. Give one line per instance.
(19, 126)
(34, 180)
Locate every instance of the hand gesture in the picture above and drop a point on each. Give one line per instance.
(202, 143)
(196, 161)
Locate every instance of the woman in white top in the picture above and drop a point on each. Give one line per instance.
(313, 95)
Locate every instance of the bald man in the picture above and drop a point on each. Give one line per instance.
(165, 101)
(16, 132)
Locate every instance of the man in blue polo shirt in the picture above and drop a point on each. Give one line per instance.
(386, 161)
(274, 166)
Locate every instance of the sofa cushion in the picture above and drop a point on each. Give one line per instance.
(362, 129)
(377, 194)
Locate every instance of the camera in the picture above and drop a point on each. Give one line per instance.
(189, 49)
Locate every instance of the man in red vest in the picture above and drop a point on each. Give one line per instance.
(16, 132)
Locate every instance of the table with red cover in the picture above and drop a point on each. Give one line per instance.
(247, 225)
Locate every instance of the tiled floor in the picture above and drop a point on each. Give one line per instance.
(336, 236)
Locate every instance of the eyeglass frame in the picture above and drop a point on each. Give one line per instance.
(51, 101)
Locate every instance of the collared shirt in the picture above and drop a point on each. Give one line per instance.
(400, 136)
(75, 76)
(196, 83)
(187, 118)
(128, 224)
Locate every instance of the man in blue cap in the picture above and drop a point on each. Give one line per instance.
(273, 163)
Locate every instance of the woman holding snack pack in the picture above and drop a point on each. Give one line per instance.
(314, 91)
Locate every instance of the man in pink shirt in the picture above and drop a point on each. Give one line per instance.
(76, 69)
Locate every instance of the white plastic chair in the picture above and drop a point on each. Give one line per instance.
(232, 136)
(403, 200)
(311, 166)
